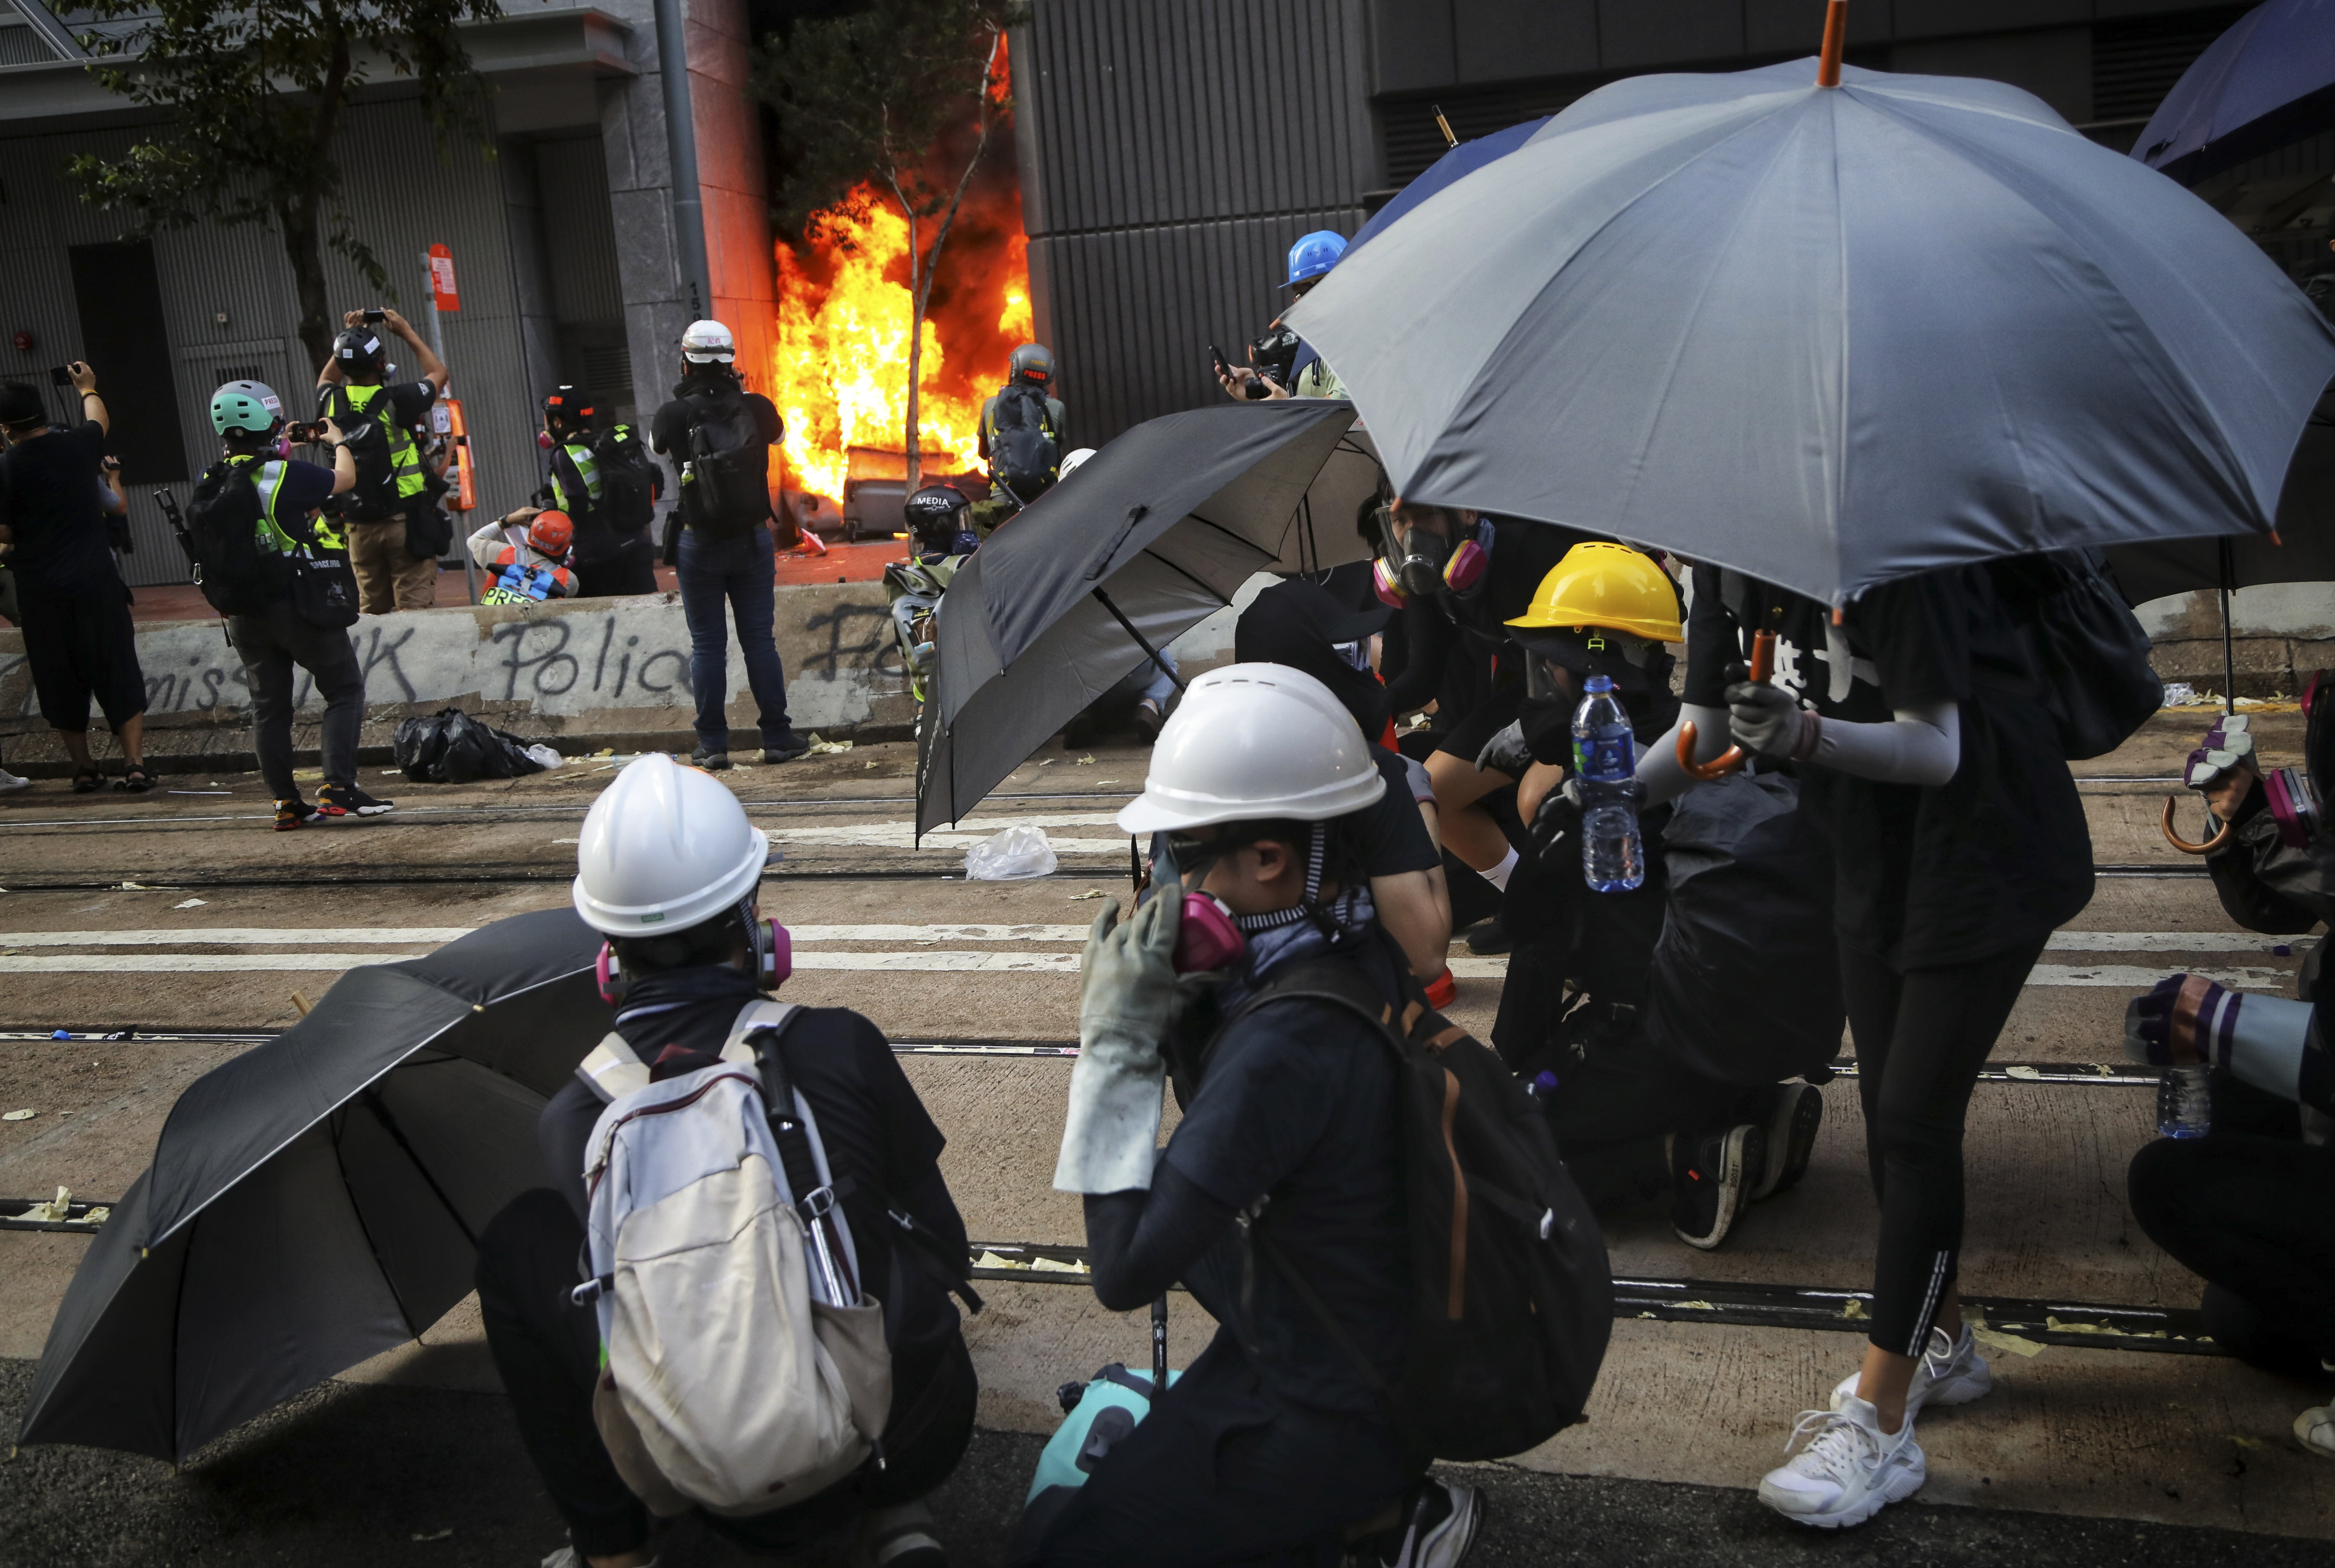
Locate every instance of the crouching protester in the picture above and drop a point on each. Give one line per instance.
(1372, 1317)
(2251, 1213)
(760, 1332)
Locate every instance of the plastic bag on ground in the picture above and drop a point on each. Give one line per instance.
(1009, 854)
(543, 756)
(450, 746)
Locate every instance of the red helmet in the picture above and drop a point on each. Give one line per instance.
(551, 533)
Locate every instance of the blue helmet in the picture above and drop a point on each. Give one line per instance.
(1314, 254)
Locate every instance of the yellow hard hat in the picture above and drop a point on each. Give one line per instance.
(1607, 586)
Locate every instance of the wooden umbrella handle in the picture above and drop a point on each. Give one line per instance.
(1763, 665)
(2182, 845)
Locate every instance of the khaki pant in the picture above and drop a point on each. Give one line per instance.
(387, 578)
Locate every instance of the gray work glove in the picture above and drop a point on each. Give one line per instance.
(1127, 997)
(1768, 720)
(1506, 751)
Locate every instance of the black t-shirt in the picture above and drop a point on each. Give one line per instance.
(1394, 836)
(669, 429)
(1297, 1101)
(49, 500)
(303, 489)
(1996, 857)
(875, 1128)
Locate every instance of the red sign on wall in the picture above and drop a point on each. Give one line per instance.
(441, 279)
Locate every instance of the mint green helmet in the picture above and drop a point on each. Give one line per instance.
(246, 406)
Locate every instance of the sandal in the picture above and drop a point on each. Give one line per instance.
(135, 779)
(86, 781)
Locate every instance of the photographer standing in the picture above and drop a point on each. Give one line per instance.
(718, 437)
(389, 509)
(78, 637)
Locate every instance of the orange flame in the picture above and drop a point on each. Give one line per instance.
(839, 354)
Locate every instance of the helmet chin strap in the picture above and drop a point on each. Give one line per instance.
(1305, 908)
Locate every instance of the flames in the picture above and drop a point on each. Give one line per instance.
(840, 349)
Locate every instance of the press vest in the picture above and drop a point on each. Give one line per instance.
(587, 470)
(271, 536)
(404, 457)
(519, 581)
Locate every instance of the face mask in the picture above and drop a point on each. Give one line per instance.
(1206, 936)
(1416, 561)
(543, 439)
(282, 449)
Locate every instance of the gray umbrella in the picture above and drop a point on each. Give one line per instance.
(1826, 336)
(318, 1199)
(1153, 532)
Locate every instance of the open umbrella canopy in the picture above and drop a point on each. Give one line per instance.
(1826, 336)
(2303, 552)
(1153, 533)
(1461, 160)
(318, 1199)
(2267, 81)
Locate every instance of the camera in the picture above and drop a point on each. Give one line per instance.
(374, 317)
(61, 376)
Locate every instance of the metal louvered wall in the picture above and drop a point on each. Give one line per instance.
(1171, 149)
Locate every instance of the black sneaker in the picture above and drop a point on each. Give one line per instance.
(789, 747)
(1488, 938)
(1439, 1524)
(295, 813)
(1148, 721)
(348, 800)
(1793, 1115)
(711, 761)
(1709, 1177)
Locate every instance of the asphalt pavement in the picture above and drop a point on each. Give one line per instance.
(180, 917)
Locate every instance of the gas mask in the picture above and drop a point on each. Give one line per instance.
(1415, 562)
(1206, 938)
(543, 439)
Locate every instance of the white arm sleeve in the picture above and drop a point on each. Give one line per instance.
(1659, 769)
(1921, 746)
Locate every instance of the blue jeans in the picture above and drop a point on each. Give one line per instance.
(744, 571)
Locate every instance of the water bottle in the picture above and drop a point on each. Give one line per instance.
(1606, 757)
(2185, 1105)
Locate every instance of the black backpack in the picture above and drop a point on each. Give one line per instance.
(1025, 452)
(223, 522)
(1512, 1299)
(373, 498)
(629, 481)
(2084, 646)
(723, 479)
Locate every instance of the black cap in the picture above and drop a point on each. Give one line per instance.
(21, 404)
(1300, 624)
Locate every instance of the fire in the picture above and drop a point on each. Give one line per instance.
(840, 349)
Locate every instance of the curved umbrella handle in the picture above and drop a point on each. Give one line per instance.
(2182, 845)
(1763, 665)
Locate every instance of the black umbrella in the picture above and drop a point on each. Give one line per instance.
(1153, 532)
(318, 1200)
(2302, 551)
(2267, 82)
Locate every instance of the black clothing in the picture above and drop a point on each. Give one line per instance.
(1142, 1241)
(1394, 836)
(1222, 1472)
(82, 646)
(1993, 860)
(1419, 638)
(271, 644)
(547, 1354)
(1300, 625)
(631, 569)
(1617, 1095)
(670, 428)
(2255, 1216)
(49, 501)
(1922, 1035)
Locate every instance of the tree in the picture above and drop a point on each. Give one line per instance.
(865, 97)
(255, 96)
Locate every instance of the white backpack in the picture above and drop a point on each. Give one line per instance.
(743, 1366)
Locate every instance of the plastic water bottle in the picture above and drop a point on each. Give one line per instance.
(2185, 1105)
(1605, 756)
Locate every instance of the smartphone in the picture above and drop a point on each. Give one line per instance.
(1216, 359)
(372, 317)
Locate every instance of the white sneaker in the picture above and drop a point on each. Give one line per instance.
(1439, 1525)
(10, 783)
(1849, 1472)
(1951, 1372)
(2315, 1430)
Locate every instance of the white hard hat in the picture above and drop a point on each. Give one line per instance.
(1071, 463)
(663, 849)
(1250, 742)
(706, 342)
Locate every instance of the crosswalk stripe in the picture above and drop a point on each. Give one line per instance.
(193, 963)
(237, 935)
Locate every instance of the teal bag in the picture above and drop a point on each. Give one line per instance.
(1098, 1415)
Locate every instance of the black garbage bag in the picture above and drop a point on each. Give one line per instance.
(1749, 903)
(451, 747)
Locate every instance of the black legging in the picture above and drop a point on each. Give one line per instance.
(1921, 1039)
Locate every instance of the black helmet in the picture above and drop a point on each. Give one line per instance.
(1032, 361)
(359, 349)
(567, 408)
(936, 517)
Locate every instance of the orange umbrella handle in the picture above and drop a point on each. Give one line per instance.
(1763, 665)
(2182, 845)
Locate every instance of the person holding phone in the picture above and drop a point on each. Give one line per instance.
(1306, 376)
(78, 636)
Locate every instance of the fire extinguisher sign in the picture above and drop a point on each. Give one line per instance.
(441, 279)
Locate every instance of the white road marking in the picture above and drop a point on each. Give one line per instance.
(2172, 942)
(901, 835)
(194, 962)
(2122, 976)
(236, 935)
